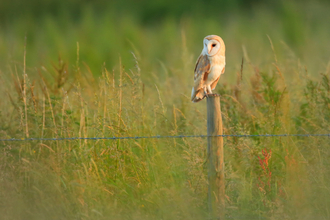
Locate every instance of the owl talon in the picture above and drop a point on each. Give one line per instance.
(205, 92)
(212, 95)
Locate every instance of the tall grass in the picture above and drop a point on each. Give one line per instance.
(165, 178)
(276, 90)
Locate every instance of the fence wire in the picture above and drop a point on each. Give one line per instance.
(159, 137)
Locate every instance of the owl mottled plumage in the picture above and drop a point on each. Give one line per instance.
(209, 66)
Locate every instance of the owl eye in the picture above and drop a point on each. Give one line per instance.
(213, 45)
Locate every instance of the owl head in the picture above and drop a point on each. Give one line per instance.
(213, 45)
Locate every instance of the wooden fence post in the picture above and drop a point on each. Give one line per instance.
(216, 177)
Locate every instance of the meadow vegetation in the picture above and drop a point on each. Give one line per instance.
(112, 74)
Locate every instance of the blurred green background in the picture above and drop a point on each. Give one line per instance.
(154, 31)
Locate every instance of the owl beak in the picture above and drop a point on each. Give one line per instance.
(209, 50)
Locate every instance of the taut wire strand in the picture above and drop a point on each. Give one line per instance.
(175, 136)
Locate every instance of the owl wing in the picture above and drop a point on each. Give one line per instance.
(202, 69)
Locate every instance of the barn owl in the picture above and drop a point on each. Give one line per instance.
(209, 66)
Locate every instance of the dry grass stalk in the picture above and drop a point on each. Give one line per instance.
(24, 92)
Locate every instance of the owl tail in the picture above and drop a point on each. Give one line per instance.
(197, 96)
